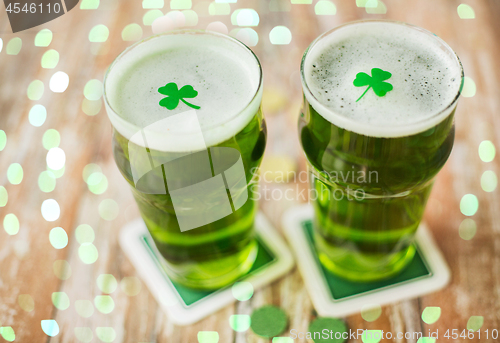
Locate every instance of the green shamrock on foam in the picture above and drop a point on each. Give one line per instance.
(376, 81)
(174, 95)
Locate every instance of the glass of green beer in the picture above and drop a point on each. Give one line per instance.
(188, 136)
(376, 127)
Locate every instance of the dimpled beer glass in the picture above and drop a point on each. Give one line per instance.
(188, 131)
(376, 127)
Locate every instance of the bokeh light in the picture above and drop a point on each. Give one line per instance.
(59, 82)
(280, 35)
(152, 4)
(89, 4)
(7, 333)
(99, 34)
(330, 324)
(431, 314)
(58, 238)
(162, 24)
(239, 322)
(43, 38)
(219, 8)
(88, 253)
(242, 291)
(108, 209)
(325, 7)
(465, 12)
(107, 283)
(301, 2)
(469, 205)
(177, 18)
(60, 300)
(246, 35)
(50, 327)
(14, 46)
(105, 334)
(15, 173)
(51, 139)
(190, 18)
(282, 340)
(371, 336)
(91, 107)
(47, 181)
(467, 229)
(37, 115)
(11, 224)
(83, 334)
(217, 26)
(180, 4)
(268, 321)
(1, 44)
(475, 323)
(97, 183)
(50, 59)
(61, 269)
(131, 33)
(50, 210)
(150, 16)
(3, 139)
(245, 17)
(130, 285)
(56, 158)
(26, 302)
(489, 181)
(487, 151)
(35, 90)
(371, 312)
(90, 169)
(208, 337)
(375, 7)
(468, 88)
(4, 196)
(84, 234)
(104, 304)
(84, 308)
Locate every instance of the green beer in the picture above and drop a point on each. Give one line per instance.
(375, 143)
(188, 131)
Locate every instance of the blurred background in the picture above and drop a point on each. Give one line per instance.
(63, 276)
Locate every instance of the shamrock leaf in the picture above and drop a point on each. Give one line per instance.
(174, 95)
(376, 81)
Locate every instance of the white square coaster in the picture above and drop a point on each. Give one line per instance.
(185, 306)
(333, 296)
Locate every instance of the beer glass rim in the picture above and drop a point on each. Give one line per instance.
(367, 129)
(131, 127)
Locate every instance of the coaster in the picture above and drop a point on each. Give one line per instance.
(333, 296)
(184, 305)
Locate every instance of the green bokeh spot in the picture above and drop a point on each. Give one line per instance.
(487, 151)
(108, 209)
(99, 34)
(107, 283)
(3, 139)
(375, 7)
(14, 46)
(35, 90)
(152, 4)
(89, 4)
(15, 173)
(60, 300)
(50, 327)
(58, 238)
(84, 308)
(132, 32)
(7, 333)
(37, 115)
(465, 12)
(468, 87)
(371, 313)
(191, 17)
(245, 17)
(151, 16)
(426, 340)
(430, 315)
(280, 35)
(47, 181)
(219, 8)
(95, 178)
(489, 181)
(104, 304)
(89, 169)
(282, 340)
(61, 269)
(83, 334)
(330, 324)
(100, 186)
(105, 334)
(475, 323)
(242, 291)
(88, 253)
(57, 173)
(371, 336)
(301, 2)
(467, 229)
(180, 4)
(469, 205)
(268, 321)
(93, 89)
(11, 224)
(239, 322)
(4, 196)
(50, 59)
(43, 38)
(84, 234)
(325, 7)
(208, 337)
(91, 107)
(51, 139)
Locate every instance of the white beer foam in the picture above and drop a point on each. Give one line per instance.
(225, 74)
(426, 78)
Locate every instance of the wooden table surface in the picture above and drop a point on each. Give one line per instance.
(27, 276)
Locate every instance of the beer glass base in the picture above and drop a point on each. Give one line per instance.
(215, 274)
(349, 266)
